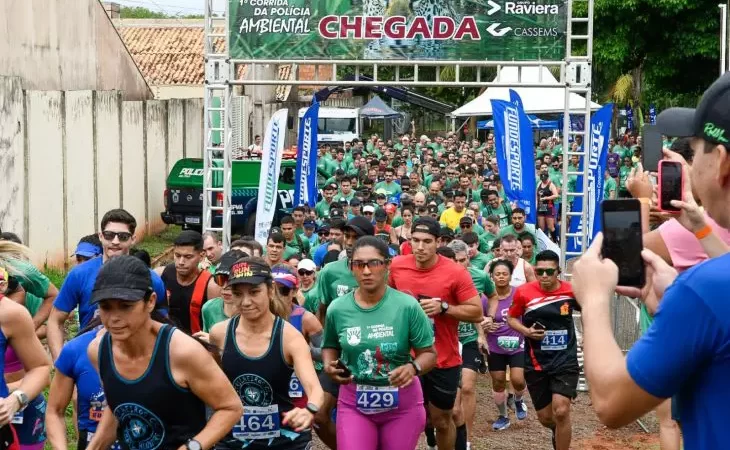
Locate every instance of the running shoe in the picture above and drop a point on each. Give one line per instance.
(521, 409)
(502, 423)
(511, 401)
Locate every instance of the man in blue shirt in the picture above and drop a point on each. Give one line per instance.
(117, 238)
(686, 351)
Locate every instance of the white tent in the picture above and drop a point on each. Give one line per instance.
(537, 100)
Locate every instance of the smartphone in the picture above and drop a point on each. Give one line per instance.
(539, 326)
(341, 365)
(622, 239)
(671, 184)
(651, 147)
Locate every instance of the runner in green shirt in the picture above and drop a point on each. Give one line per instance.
(322, 208)
(609, 187)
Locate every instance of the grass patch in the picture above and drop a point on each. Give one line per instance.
(156, 244)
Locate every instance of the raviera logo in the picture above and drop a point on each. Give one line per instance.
(514, 168)
(527, 8)
(269, 201)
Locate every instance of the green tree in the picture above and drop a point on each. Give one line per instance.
(664, 52)
(139, 12)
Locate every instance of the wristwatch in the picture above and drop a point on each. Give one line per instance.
(192, 444)
(312, 408)
(416, 366)
(444, 307)
(22, 398)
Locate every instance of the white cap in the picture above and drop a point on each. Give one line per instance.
(307, 264)
(368, 209)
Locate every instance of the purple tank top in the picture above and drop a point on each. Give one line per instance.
(12, 362)
(613, 161)
(505, 340)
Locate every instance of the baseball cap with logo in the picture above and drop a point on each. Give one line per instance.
(337, 213)
(122, 278)
(249, 271)
(426, 225)
(709, 121)
(380, 215)
(309, 223)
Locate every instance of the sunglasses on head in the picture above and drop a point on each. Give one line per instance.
(304, 272)
(372, 264)
(548, 272)
(220, 279)
(283, 290)
(123, 236)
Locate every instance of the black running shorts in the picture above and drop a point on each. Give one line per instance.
(471, 357)
(543, 385)
(440, 387)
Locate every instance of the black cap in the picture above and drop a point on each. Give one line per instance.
(355, 202)
(433, 209)
(446, 232)
(337, 213)
(426, 225)
(249, 271)
(228, 259)
(324, 228)
(710, 121)
(380, 215)
(343, 201)
(122, 278)
(361, 226)
(466, 221)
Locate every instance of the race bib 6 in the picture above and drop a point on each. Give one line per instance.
(295, 387)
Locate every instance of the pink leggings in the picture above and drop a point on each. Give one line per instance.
(397, 429)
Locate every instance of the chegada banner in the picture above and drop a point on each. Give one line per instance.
(446, 30)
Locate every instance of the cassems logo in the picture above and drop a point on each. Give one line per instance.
(514, 167)
(270, 191)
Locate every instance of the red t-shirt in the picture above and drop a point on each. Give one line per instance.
(406, 249)
(446, 280)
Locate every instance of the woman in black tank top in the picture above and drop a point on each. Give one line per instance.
(156, 379)
(260, 351)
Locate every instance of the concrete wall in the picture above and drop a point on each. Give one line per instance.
(66, 45)
(67, 157)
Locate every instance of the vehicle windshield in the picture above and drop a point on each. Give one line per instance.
(332, 125)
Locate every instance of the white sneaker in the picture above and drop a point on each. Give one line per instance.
(468, 446)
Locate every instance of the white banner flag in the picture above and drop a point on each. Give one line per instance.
(272, 149)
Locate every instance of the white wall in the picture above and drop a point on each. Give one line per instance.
(87, 152)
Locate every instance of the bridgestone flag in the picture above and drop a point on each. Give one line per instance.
(305, 191)
(597, 154)
(515, 154)
(271, 150)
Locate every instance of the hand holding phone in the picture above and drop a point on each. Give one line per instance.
(346, 373)
(671, 185)
(622, 240)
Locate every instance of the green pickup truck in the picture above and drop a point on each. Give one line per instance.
(184, 194)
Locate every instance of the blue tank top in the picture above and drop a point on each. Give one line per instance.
(296, 317)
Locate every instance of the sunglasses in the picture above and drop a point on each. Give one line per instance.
(304, 272)
(123, 236)
(283, 290)
(373, 264)
(220, 279)
(548, 272)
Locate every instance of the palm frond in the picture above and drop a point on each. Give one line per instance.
(622, 90)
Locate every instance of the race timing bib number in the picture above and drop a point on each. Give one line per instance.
(554, 340)
(295, 387)
(258, 422)
(376, 399)
(508, 342)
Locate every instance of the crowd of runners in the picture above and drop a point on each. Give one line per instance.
(367, 319)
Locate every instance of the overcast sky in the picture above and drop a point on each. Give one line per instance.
(173, 7)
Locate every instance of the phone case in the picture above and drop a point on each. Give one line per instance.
(659, 184)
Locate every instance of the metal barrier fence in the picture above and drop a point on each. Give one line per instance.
(626, 329)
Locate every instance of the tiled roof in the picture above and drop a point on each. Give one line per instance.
(168, 55)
